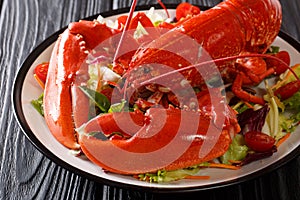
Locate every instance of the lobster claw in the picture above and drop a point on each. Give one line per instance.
(180, 143)
(67, 70)
(184, 138)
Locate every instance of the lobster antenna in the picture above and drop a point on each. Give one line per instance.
(217, 61)
(132, 8)
(164, 7)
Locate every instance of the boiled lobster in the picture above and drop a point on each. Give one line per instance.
(189, 136)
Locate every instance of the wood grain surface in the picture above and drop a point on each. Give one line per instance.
(25, 173)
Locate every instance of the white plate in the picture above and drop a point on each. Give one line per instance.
(33, 125)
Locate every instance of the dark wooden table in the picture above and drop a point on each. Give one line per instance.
(25, 173)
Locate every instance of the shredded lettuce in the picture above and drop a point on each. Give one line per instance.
(237, 150)
(278, 121)
(291, 120)
(293, 103)
(288, 77)
(155, 17)
(287, 124)
(240, 107)
(168, 176)
(101, 73)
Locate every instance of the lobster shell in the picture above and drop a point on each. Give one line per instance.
(233, 27)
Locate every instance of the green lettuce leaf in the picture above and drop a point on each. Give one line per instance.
(117, 107)
(38, 104)
(168, 176)
(273, 49)
(292, 105)
(237, 150)
(100, 100)
(287, 124)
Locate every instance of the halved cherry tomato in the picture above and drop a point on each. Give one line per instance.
(259, 141)
(184, 9)
(288, 90)
(41, 71)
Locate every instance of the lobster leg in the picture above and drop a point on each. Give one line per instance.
(239, 92)
(255, 70)
(251, 71)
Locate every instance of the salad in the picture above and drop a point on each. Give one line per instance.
(263, 127)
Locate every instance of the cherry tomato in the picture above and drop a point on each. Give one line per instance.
(288, 90)
(41, 71)
(259, 141)
(279, 67)
(184, 9)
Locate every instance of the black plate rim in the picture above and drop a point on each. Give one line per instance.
(18, 113)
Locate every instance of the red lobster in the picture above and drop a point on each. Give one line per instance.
(233, 27)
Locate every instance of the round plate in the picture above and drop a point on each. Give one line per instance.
(33, 125)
